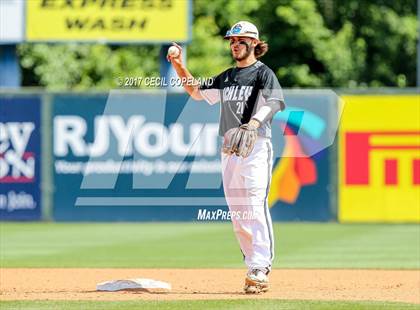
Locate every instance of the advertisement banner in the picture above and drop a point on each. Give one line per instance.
(128, 156)
(133, 155)
(302, 138)
(379, 159)
(20, 158)
(108, 21)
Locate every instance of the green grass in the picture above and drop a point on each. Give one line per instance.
(205, 245)
(261, 304)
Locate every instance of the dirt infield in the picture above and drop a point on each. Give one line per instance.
(79, 284)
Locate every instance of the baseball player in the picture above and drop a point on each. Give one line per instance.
(250, 95)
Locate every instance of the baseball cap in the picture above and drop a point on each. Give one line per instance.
(243, 29)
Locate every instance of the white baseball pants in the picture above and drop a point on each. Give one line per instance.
(246, 182)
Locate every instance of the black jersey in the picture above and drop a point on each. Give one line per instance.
(242, 92)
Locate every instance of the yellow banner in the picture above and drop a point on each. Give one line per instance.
(379, 159)
(108, 20)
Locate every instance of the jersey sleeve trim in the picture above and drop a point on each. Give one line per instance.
(212, 96)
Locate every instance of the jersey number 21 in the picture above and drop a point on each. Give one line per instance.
(240, 107)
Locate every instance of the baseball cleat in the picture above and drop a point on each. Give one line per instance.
(256, 282)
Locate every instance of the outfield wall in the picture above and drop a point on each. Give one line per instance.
(154, 156)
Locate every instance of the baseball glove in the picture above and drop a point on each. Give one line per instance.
(240, 140)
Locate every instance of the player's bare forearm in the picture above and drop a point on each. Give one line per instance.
(191, 86)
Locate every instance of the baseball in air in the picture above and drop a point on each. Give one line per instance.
(173, 51)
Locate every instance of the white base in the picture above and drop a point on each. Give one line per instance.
(133, 284)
